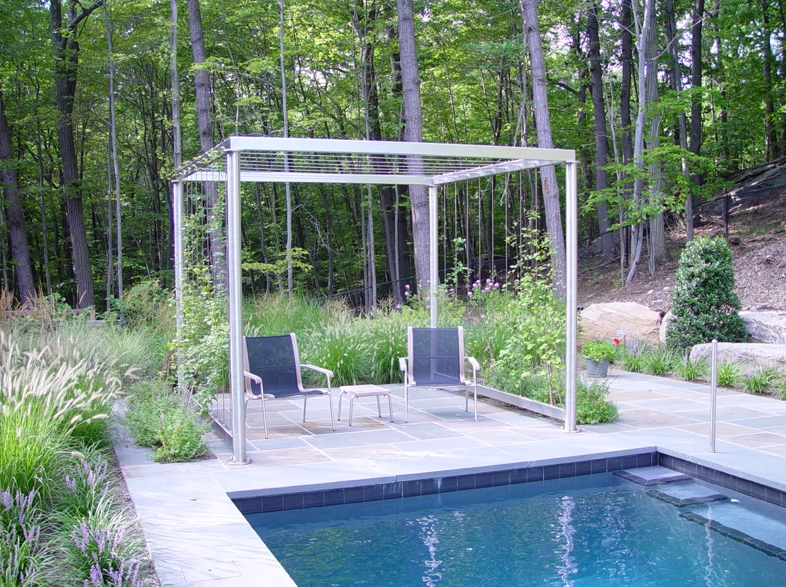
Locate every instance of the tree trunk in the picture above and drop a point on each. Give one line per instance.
(20, 253)
(64, 30)
(206, 139)
(413, 132)
(768, 65)
(115, 164)
(695, 138)
(548, 175)
(637, 230)
(601, 140)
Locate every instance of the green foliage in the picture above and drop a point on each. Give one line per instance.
(147, 304)
(632, 355)
(534, 317)
(660, 361)
(761, 380)
(704, 303)
(599, 350)
(21, 546)
(160, 418)
(340, 347)
(728, 374)
(689, 370)
(592, 406)
(202, 346)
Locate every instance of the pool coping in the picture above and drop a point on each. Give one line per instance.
(197, 534)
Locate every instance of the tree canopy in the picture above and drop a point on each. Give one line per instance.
(707, 83)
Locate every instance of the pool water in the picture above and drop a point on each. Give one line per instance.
(591, 531)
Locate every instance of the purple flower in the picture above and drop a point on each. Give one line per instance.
(406, 286)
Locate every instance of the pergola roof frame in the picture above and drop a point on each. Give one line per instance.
(240, 159)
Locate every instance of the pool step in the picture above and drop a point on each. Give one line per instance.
(686, 493)
(649, 476)
(762, 543)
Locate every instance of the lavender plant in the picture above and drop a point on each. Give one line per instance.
(20, 544)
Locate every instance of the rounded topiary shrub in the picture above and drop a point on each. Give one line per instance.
(704, 303)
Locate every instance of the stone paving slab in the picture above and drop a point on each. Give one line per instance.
(197, 536)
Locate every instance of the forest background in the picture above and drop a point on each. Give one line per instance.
(660, 99)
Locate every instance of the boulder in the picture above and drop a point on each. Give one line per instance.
(769, 327)
(664, 325)
(620, 319)
(749, 356)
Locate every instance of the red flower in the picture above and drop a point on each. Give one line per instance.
(616, 341)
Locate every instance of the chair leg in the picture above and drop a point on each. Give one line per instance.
(332, 417)
(264, 415)
(406, 404)
(340, 397)
(305, 402)
(475, 391)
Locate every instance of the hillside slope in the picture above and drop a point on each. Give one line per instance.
(757, 235)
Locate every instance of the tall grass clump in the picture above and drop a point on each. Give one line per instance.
(659, 361)
(728, 374)
(49, 397)
(688, 370)
(273, 314)
(761, 380)
(341, 347)
(631, 357)
(386, 340)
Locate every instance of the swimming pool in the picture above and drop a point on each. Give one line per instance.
(594, 530)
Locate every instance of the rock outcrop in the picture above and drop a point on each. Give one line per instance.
(769, 327)
(620, 319)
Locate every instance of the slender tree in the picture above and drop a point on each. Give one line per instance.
(413, 132)
(20, 253)
(65, 27)
(548, 175)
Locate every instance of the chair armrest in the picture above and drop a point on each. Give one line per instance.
(326, 372)
(258, 380)
(255, 378)
(474, 362)
(402, 364)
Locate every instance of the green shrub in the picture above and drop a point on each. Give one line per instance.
(146, 304)
(704, 304)
(160, 418)
(592, 406)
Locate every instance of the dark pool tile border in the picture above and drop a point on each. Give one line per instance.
(723, 479)
(397, 490)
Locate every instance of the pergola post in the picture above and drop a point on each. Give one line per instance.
(571, 279)
(235, 299)
(177, 218)
(433, 241)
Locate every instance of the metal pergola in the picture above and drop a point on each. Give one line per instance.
(259, 159)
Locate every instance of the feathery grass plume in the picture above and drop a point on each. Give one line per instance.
(340, 347)
(632, 356)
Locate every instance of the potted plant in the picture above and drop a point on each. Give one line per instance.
(598, 353)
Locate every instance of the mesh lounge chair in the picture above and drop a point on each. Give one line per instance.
(272, 370)
(436, 359)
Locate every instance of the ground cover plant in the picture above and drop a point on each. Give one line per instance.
(62, 521)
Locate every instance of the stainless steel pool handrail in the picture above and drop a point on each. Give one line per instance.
(713, 393)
